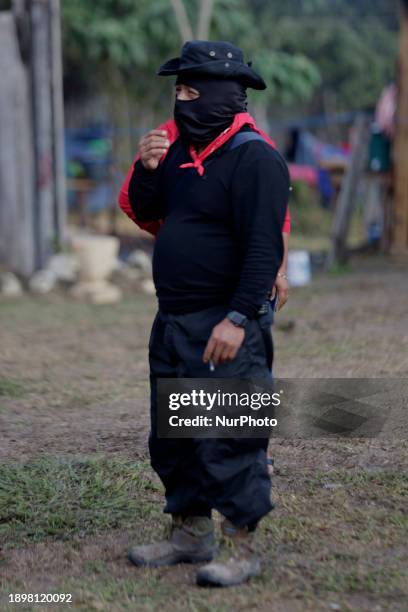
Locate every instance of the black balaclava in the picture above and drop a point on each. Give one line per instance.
(200, 121)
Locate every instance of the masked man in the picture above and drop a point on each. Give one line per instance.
(214, 191)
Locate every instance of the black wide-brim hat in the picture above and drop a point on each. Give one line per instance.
(215, 59)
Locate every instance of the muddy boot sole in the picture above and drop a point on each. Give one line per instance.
(207, 578)
(172, 559)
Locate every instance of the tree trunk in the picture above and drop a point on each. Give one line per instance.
(184, 26)
(204, 19)
(16, 156)
(261, 116)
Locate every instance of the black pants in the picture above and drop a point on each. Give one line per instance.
(229, 475)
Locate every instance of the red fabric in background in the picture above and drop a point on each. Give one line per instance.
(172, 132)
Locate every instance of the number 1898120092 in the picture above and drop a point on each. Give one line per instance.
(40, 598)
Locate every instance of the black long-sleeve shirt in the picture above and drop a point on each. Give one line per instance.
(221, 241)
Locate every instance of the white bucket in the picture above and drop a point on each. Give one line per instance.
(299, 268)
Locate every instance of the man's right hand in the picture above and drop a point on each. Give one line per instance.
(152, 147)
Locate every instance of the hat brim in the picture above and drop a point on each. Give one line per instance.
(216, 68)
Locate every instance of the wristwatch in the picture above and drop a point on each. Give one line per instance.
(237, 319)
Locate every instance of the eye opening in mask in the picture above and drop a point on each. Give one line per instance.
(186, 93)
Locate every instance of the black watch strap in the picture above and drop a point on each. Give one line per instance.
(237, 319)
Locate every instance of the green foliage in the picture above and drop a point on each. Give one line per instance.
(290, 77)
(111, 45)
(341, 49)
(353, 44)
(132, 39)
(355, 64)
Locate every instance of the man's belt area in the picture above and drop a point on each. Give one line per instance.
(264, 309)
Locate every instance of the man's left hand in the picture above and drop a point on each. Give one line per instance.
(224, 342)
(281, 288)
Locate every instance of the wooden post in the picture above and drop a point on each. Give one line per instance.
(16, 156)
(348, 192)
(57, 105)
(399, 242)
(42, 108)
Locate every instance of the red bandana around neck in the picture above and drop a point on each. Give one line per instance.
(240, 119)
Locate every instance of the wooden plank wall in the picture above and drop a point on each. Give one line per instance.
(400, 233)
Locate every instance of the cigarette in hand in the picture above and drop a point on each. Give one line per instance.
(212, 366)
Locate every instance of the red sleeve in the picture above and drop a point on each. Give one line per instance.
(286, 222)
(149, 226)
(123, 199)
